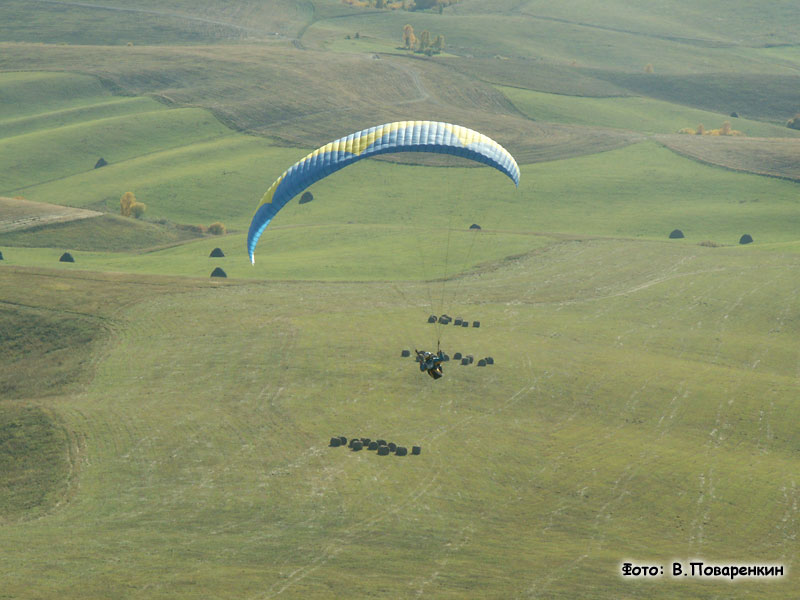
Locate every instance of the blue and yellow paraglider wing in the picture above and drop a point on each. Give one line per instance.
(402, 136)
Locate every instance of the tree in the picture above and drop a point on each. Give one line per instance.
(424, 41)
(125, 203)
(409, 39)
(217, 228)
(137, 209)
(438, 44)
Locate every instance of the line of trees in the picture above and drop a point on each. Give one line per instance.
(424, 44)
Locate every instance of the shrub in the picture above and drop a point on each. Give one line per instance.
(137, 209)
(217, 229)
(794, 122)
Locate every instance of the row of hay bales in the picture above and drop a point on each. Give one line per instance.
(466, 359)
(382, 447)
(677, 234)
(447, 319)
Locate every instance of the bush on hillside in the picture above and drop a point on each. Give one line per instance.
(137, 209)
(217, 229)
(794, 122)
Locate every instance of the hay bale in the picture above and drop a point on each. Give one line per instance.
(372, 446)
(101, 162)
(465, 324)
(489, 360)
(457, 356)
(465, 361)
(444, 319)
(343, 440)
(735, 115)
(357, 445)
(218, 272)
(365, 441)
(335, 442)
(476, 323)
(1, 256)
(415, 450)
(392, 446)
(475, 226)
(445, 357)
(405, 353)
(401, 451)
(458, 321)
(352, 441)
(746, 239)
(481, 363)
(675, 234)
(381, 442)
(470, 358)
(383, 450)
(216, 253)
(432, 319)
(306, 197)
(66, 257)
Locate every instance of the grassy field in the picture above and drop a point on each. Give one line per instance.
(164, 434)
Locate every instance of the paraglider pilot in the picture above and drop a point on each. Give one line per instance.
(430, 362)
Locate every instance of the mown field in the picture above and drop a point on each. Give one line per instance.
(164, 434)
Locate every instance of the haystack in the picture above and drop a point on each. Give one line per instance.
(676, 234)
(746, 239)
(66, 257)
(216, 253)
(218, 272)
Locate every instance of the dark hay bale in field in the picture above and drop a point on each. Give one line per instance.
(458, 321)
(470, 358)
(489, 360)
(357, 445)
(66, 257)
(392, 446)
(465, 324)
(457, 356)
(365, 441)
(746, 239)
(218, 272)
(416, 450)
(383, 450)
(432, 319)
(465, 361)
(216, 253)
(306, 197)
(405, 353)
(475, 226)
(353, 441)
(401, 451)
(476, 323)
(735, 115)
(445, 357)
(335, 442)
(1, 256)
(343, 440)
(444, 319)
(372, 446)
(381, 442)
(101, 162)
(675, 234)
(481, 363)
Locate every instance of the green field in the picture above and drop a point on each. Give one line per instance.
(164, 434)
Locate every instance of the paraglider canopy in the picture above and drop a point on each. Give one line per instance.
(401, 136)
